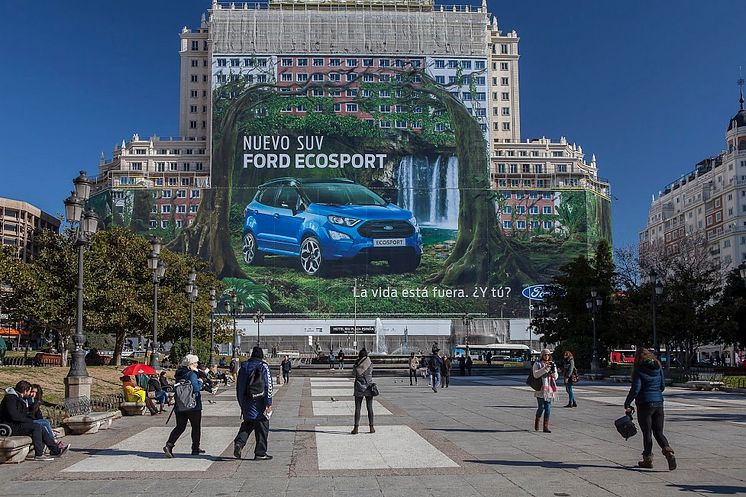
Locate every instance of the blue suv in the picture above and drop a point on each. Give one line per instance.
(324, 220)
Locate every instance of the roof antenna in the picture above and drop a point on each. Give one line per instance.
(740, 84)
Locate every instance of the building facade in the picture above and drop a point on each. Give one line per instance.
(20, 222)
(708, 201)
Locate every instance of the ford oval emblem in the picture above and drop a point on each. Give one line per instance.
(388, 227)
(535, 292)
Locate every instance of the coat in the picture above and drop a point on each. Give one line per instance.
(648, 384)
(363, 372)
(548, 377)
(286, 366)
(253, 409)
(184, 373)
(14, 412)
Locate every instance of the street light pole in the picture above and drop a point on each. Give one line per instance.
(354, 316)
(158, 268)
(258, 319)
(77, 382)
(213, 304)
(656, 290)
(593, 304)
(191, 294)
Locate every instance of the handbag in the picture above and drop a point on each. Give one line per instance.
(574, 377)
(533, 382)
(373, 389)
(626, 426)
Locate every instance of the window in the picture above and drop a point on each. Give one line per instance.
(507, 225)
(195, 194)
(547, 225)
(194, 78)
(533, 210)
(193, 93)
(508, 210)
(153, 224)
(172, 181)
(185, 181)
(480, 80)
(317, 92)
(538, 168)
(351, 62)
(198, 166)
(547, 195)
(506, 126)
(400, 124)
(503, 66)
(302, 62)
(335, 62)
(287, 62)
(368, 78)
(440, 64)
(384, 108)
(193, 208)
(561, 168)
(478, 65)
(504, 48)
(521, 225)
(318, 77)
(192, 124)
(164, 224)
(505, 96)
(441, 80)
(525, 168)
(505, 111)
(301, 77)
(286, 76)
(351, 107)
(180, 193)
(384, 63)
(166, 194)
(519, 209)
(136, 166)
(351, 76)
(181, 209)
(195, 45)
(318, 62)
(165, 209)
(334, 76)
(221, 63)
(367, 62)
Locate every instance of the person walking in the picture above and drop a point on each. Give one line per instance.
(413, 362)
(445, 370)
(187, 372)
(462, 365)
(545, 369)
(256, 408)
(647, 388)
(363, 372)
(469, 364)
(435, 366)
(286, 367)
(570, 374)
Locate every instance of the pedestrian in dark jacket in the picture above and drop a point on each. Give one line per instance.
(445, 371)
(155, 390)
(187, 372)
(569, 374)
(15, 413)
(363, 372)
(469, 364)
(462, 365)
(434, 367)
(647, 388)
(255, 411)
(286, 367)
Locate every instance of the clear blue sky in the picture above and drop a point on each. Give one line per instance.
(648, 87)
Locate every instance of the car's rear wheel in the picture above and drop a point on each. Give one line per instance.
(311, 260)
(251, 254)
(404, 264)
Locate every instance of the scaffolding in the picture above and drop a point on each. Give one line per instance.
(409, 27)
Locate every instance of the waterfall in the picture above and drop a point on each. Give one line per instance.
(435, 192)
(429, 189)
(452, 193)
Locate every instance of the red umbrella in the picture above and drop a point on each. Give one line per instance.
(134, 369)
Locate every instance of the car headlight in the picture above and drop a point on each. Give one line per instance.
(343, 221)
(337, 236)
(413, 222)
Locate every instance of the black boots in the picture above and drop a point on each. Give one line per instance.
(168, 449)
(372, 429)
(354, 431)
(546, 426)
(536, 424)
(647, 462)
(668, 454)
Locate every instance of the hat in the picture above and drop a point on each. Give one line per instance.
(257, 353)
(190, 359)
(546, 352)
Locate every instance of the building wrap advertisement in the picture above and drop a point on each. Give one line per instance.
(343, 182)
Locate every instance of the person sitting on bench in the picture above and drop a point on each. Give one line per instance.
(15, 413)
(133, 393)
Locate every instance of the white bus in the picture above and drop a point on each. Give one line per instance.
(506, 354)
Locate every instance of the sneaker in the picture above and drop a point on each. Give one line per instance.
(43, 458)
(237, 451)
(197, 452)
(62, 449)
(168, 450)
(215, 390)
(265, 457)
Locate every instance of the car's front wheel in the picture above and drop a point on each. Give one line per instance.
(311, 260)
(251, 254)
(404, 264)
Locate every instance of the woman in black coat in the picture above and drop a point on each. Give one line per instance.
(363, 371)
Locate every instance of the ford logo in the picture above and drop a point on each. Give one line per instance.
(388, 227)
(534, 292)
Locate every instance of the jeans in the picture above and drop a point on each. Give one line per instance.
(435, 375)
(161, 397)
(412, 374)
(545, 408)
(651, 420)
(341, 365)
(46, 426)
(39, 436)
(195, 419)
(260, 427)
(286, 376)
(570, 393)
(368, 407)
(446, 379)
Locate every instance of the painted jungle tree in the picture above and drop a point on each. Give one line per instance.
(481, 253)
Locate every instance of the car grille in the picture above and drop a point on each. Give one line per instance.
(386, 229)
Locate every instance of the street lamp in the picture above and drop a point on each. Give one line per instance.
(593, 303)
(77, 382)
(213, 304)
(233, 307)
(657, 291)
(158, 267)
(354, 317)
(191, 295)
(258, 319)
(466, 320)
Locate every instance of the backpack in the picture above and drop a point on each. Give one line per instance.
(535, 383)
(185, 397)
(255, 384)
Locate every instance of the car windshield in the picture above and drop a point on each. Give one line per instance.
(341, 194)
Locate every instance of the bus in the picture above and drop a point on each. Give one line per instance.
(505, 354)
(627, 356)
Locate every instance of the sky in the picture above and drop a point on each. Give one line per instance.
(649, 87)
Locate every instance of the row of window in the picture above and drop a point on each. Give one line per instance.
(504, 66)
(531, 195)
(504, 48)
(525, 153)
(180, 209)
(180, 194)
(303, 77)
(170, 151)
(193, 124)
(170, 166)
(456, 64)
(165, 223)
(193, 108)
(521, 209)
(465, 80)
(521, 225)
(528, 168)
(348, 62)
(195, 45)
(505, 126)
(195, 62)
(195, 93)
(247, 62)
(194, 78)
(528, 183)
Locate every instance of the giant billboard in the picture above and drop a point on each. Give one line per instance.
(363, 183)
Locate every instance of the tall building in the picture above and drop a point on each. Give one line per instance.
(20, 222)
(708, 201)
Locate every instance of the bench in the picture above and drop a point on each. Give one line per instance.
(620, 378)
(705, 385)
(14, 450)
(132, 408)
(82, 420)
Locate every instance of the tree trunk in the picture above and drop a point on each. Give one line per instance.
(118, 346)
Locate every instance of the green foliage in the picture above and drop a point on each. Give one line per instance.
(180, 349)
(733, 305)
(253, 295)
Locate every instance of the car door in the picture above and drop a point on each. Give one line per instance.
(289, 219)
(266, 224)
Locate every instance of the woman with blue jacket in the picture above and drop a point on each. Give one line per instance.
(187, 372)
(647, 388)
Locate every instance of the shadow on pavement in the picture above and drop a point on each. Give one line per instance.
(513, 407)
(146, 454)
(711, 489)
(544, 464)
(475, 430)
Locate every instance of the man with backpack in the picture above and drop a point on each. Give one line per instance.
(254, 394)
(188, 405)
(434, 366)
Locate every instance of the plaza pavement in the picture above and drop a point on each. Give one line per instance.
(472, 439)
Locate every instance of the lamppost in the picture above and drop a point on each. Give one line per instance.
(593, 303)
(354, 316)
(657, 290)
(191, 295)
(233, 307)
(466, 320)
(159, 270)
(258, 319)
(213, 304)
(77, 382)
